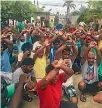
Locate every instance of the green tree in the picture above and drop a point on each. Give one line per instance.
(76, 12)
(19, 10)
(93, 12)
(69, 4)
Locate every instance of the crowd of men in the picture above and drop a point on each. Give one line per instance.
(41, 61)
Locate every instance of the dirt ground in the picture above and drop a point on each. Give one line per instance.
(89, 98)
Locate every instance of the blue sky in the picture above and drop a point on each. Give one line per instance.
(59, 9)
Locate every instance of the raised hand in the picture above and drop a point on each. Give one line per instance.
(57, 64)
(26, 54)
(46, 43)
(3, 36)
(23, 78)
(70, 39)
(56, 32)
(60, 33)
(30, 85)
(74, 43)
(93, 44)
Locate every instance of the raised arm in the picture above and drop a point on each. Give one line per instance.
(17, 98)
(7, 41)
(92, 45)
(57, 66)
(46, 44)
(75, 51)
(58, 53)
(53, 39)
(85, 55)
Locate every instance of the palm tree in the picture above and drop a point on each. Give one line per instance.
(82, 8)
(70, 5)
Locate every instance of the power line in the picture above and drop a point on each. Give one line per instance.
(60, 4)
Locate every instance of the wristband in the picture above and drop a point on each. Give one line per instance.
(25, 86)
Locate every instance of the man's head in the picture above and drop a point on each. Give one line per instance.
(91, 58)
(67, 62)
(40, 55)
(57, 43)
(27, 47)
(21, 38)
(48, 69)
(27, 65)
(66, 53)
(78, 34)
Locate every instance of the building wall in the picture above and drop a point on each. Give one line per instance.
(51, 18)
(62, 19)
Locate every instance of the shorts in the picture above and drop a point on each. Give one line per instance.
(67, 104)
(92, 87)
(70, 91)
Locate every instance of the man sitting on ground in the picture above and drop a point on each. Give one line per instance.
(27, 67)
(89, 70)
(50, 87)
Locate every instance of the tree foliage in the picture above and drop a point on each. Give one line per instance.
(93, 12)
(76, 12)
(69, 4)
(19, 10)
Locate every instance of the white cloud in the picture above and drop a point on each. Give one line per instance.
(60, 9)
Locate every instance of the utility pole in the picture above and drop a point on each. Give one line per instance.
(37, 3)
(34, 2)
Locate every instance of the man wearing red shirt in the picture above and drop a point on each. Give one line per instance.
(50, 87)
(72, 28)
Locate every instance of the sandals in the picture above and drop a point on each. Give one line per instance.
(27, 98)
(35, 93)
(83, 98)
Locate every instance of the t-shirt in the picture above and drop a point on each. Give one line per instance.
(52, 54)
(89, 73)
(5, 62)
(39, 67)
(17, 73)
(71, 30)
(100, 44)
(20, 26)
(52, 24)
(69, 80)
(78, 43)
(50, 97)
(29, 40)
(19, 45)
(7, 76)
(59, 26)
(100, 72)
